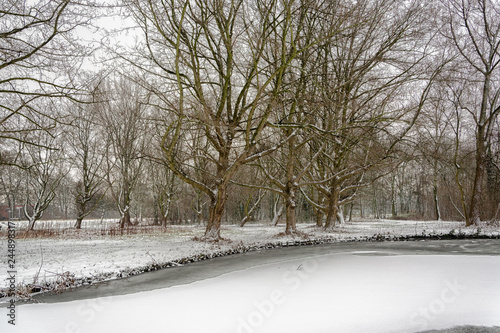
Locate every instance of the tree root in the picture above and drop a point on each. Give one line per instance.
(294, 234)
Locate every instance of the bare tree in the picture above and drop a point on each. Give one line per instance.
(474, 28)
(39, 58)
(209, 56)
(86, 149)
(44, 171)
(493, 172)
(364, 108)
(161, 180)
(123, 120)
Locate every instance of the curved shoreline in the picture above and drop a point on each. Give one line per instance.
(76, 284)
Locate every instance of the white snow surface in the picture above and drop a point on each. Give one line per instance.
(346, 292)
(319, 294)
(44, 259)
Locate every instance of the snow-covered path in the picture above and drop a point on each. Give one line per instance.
(346, 292)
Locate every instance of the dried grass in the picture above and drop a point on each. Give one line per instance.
(87, 233)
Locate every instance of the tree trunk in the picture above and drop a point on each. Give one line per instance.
(80, 210)
(477, 190)
(78, 223)
(481, 138)
(37, 214)
(166, 212)
(394, 213)
(340, 215)
(291, 223)
(436, 203)
(361, 211)
(249, 212)
(333, 206)
(277, 214)
(216, 210)
(319, 218)
(125, 220)
(156, 218)
(290, 189)
(331, 216)
(31, 224)
(435, 191)
(494, 220)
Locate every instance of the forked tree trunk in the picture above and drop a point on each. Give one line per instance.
(331, 216)
(249, 212)
(333, 207)
(125, 220)
(31, 224)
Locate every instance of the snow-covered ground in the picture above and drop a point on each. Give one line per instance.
(79, 255)
(347, 292)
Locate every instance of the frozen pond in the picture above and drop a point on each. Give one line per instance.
(362, 290)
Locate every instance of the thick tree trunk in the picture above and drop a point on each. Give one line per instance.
(125, 220)
(80, 210)
(216, 210)
(156, 217)
(291, 223)
(78, 223)
(333, 206)
(331, 216)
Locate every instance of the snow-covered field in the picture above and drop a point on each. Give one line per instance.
(40, 260)
(344, 292)
(347, 292)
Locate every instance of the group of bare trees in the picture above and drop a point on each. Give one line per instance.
(322, 108)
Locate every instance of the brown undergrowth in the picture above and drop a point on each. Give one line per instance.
(90, 232)
(293, 234)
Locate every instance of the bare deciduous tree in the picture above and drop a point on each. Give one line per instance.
(85, 145)
(209, 56)
(123, 120)
(44, 171)
(364, 108)
(38, 59)
(474, 28)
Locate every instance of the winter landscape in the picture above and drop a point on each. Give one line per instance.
(250, 166)
(374, 290)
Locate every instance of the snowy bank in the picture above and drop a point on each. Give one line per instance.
(55, 264)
